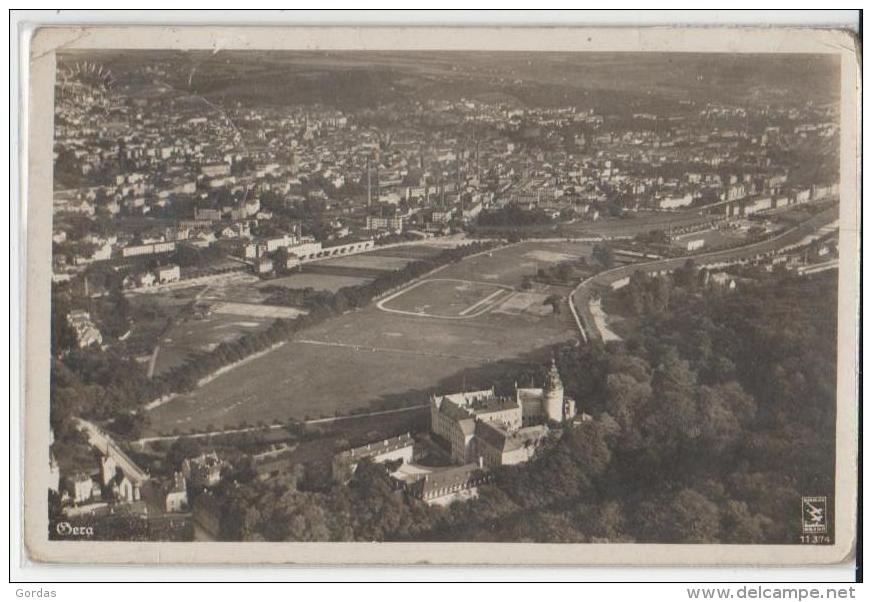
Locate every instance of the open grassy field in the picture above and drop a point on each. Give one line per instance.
(319, 282)
(256, 310)
(420, 251)
(235, 308)
(369, 261)
(509, 265)
(442, 297)
(374, 359)
(193, 336)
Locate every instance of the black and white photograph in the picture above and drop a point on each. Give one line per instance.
(441, 296)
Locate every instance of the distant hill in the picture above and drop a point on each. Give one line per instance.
(596, 80)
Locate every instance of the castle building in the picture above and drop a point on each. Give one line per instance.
(442, 486)
(480, 426)
(202, 471)
(482, 430)
(548, 403)
(453, 418)
(498, 447)
(396, 448)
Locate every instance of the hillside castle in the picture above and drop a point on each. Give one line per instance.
(480, 426)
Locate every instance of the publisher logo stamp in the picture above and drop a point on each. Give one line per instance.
(814, 514)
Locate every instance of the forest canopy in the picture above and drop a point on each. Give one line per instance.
(695, 438)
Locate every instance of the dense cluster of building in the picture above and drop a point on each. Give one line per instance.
(87, 333)
(145, 181)
(103, 489)
(229, 176)
(110, 486)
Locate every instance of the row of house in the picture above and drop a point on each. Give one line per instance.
(161, 275)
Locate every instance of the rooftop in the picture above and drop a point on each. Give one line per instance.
(379, 447)
(505, 441)
(451, 476)
(529, 394)
(461, 405)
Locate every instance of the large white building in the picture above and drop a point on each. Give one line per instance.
(396, 448)
(482, 426)
(87, 333)
(548, 403)
(453, 418)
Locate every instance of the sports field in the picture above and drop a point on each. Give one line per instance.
(446, 298)
(510, 264)
(375, 358)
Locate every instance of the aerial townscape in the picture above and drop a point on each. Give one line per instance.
(520, 297)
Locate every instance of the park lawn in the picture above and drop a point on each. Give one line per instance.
(408, 251)
(301, 381)
(193, 336)
(319, 282)
(369, 261)
(370, 359)
(447, 298)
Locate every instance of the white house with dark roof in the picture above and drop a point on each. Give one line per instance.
(176, 498)
(400, 448)
(453, 418)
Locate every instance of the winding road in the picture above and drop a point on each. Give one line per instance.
(580, 297)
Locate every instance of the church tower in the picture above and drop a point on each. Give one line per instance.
(552, 394)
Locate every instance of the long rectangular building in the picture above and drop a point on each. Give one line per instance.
(345, 463)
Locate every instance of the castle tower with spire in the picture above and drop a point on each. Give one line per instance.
(552, 394)
(549, 403)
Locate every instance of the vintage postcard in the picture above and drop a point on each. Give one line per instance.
(433, 295)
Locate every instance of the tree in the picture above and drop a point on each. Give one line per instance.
(131, 426)
(114, 314)
(660, 295)
(626, 399)
(687, 276)
(606, 522)
(587, 443)
(638, 290)
(563, 271)
(63, 336)
(554, 301)
(543, 526)
(696, 518)
(740, 525)
(603, 255)
(684, 517)
(673, 414)
(724, 411)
